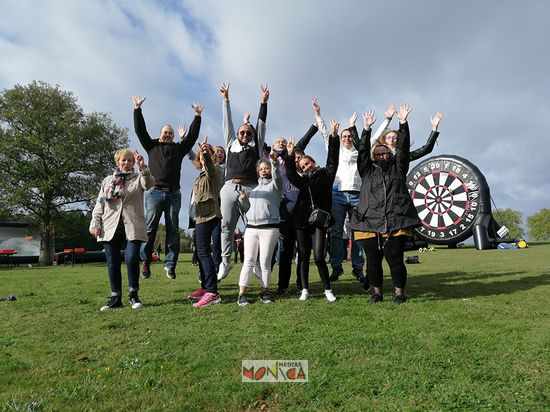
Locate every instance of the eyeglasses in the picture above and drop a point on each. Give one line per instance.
(391, 137)
(246, 133)
(347, 136)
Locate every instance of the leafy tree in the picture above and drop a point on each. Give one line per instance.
(511, 219)
(53, 156)
(539, 225)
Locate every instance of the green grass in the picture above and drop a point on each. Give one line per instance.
(474, 335)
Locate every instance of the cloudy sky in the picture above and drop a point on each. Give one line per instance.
(485, 64)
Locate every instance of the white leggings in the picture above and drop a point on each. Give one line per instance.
(262, 241)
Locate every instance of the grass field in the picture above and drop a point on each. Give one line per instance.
(474, 335)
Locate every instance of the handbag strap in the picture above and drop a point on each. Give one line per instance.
(311, 197)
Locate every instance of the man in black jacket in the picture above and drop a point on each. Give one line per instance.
(165, 157)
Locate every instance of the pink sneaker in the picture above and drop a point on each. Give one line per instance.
(197, 295)
(207, 300)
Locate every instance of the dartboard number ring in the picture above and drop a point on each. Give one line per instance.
(445, 193)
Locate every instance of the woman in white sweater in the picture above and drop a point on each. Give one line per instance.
(118, 221)
(262, 227)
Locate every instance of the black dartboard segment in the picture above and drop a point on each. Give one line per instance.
(445, 191)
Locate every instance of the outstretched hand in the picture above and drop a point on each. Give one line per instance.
(182, 131)
(334, 126)
(140, 160)
(390, 111)
(368, 119)
(436, 120)
(316, 107)
(246, 118)
(352, 119)
(224, 90)
(198, 108)
(273, 154)
(290, 146)
(404, 110)
(265, 93)
(203, 146)
(137, 101)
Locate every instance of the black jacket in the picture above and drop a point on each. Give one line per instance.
(319, 182)
(384, 203)
(165, 158)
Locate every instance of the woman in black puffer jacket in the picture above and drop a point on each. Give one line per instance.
(314, 183)
(385, 215)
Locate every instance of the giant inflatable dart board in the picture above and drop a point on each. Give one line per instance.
(450, 195)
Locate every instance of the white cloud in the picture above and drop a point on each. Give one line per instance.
(483, 64)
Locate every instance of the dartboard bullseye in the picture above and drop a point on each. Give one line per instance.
(446, 192)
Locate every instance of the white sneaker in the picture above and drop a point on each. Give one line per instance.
(304, 295)
(225, 268)
(330, 296)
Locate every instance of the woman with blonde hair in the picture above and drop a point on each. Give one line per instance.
(118, 221)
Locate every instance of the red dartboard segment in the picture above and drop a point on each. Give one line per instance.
(444, 191)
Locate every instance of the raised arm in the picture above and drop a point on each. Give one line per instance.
(403, 152)
(227, 125)
(364, 161)
(333, 154)
(325, 133)
(275, 174)
(262, 118)
(187, 144)
(139, 123)
(290, 166)
(429, 146)
(389, 113)
(147, 180)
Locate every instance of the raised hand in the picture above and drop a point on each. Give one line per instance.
(224, 90)
(334, 126)
(316, 107)
(390, 111)
(140, 160)
(246, 118)
(368, 119)
(436, 120)
(290, 146)
(265, 94)
(204, 146)
(182, 131)
(352, 119)
(137, 101)
(198, 108)
(404, 110)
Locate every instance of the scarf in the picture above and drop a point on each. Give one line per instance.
(115, 190)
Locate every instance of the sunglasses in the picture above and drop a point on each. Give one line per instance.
(381, 154)
(246, 133)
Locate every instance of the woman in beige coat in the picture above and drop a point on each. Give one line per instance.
(118, 221)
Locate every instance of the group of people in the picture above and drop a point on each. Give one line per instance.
(283, 196)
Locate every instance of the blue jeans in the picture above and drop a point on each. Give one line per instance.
(203, 235)
(114, 260)
(344, 203)
(158, 202)
(217, 244)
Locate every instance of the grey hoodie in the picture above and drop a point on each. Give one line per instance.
(265, 199)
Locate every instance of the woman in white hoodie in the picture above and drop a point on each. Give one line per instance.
(262, 227)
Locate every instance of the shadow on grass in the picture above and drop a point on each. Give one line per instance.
(460, 285)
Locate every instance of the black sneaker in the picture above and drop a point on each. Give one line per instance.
(265, 297)
(114, 302)
(399, 299)
(145, 270)
(134, 300)
(366, 284)
(170, 272)
(358, 274)
(242, 300)
(336, 273)
(375, 298)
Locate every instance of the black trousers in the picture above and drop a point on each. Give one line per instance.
(287, 237)
(392, 249)
(316, 239)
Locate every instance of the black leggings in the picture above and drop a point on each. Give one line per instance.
(316, 239)
(392, 249)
